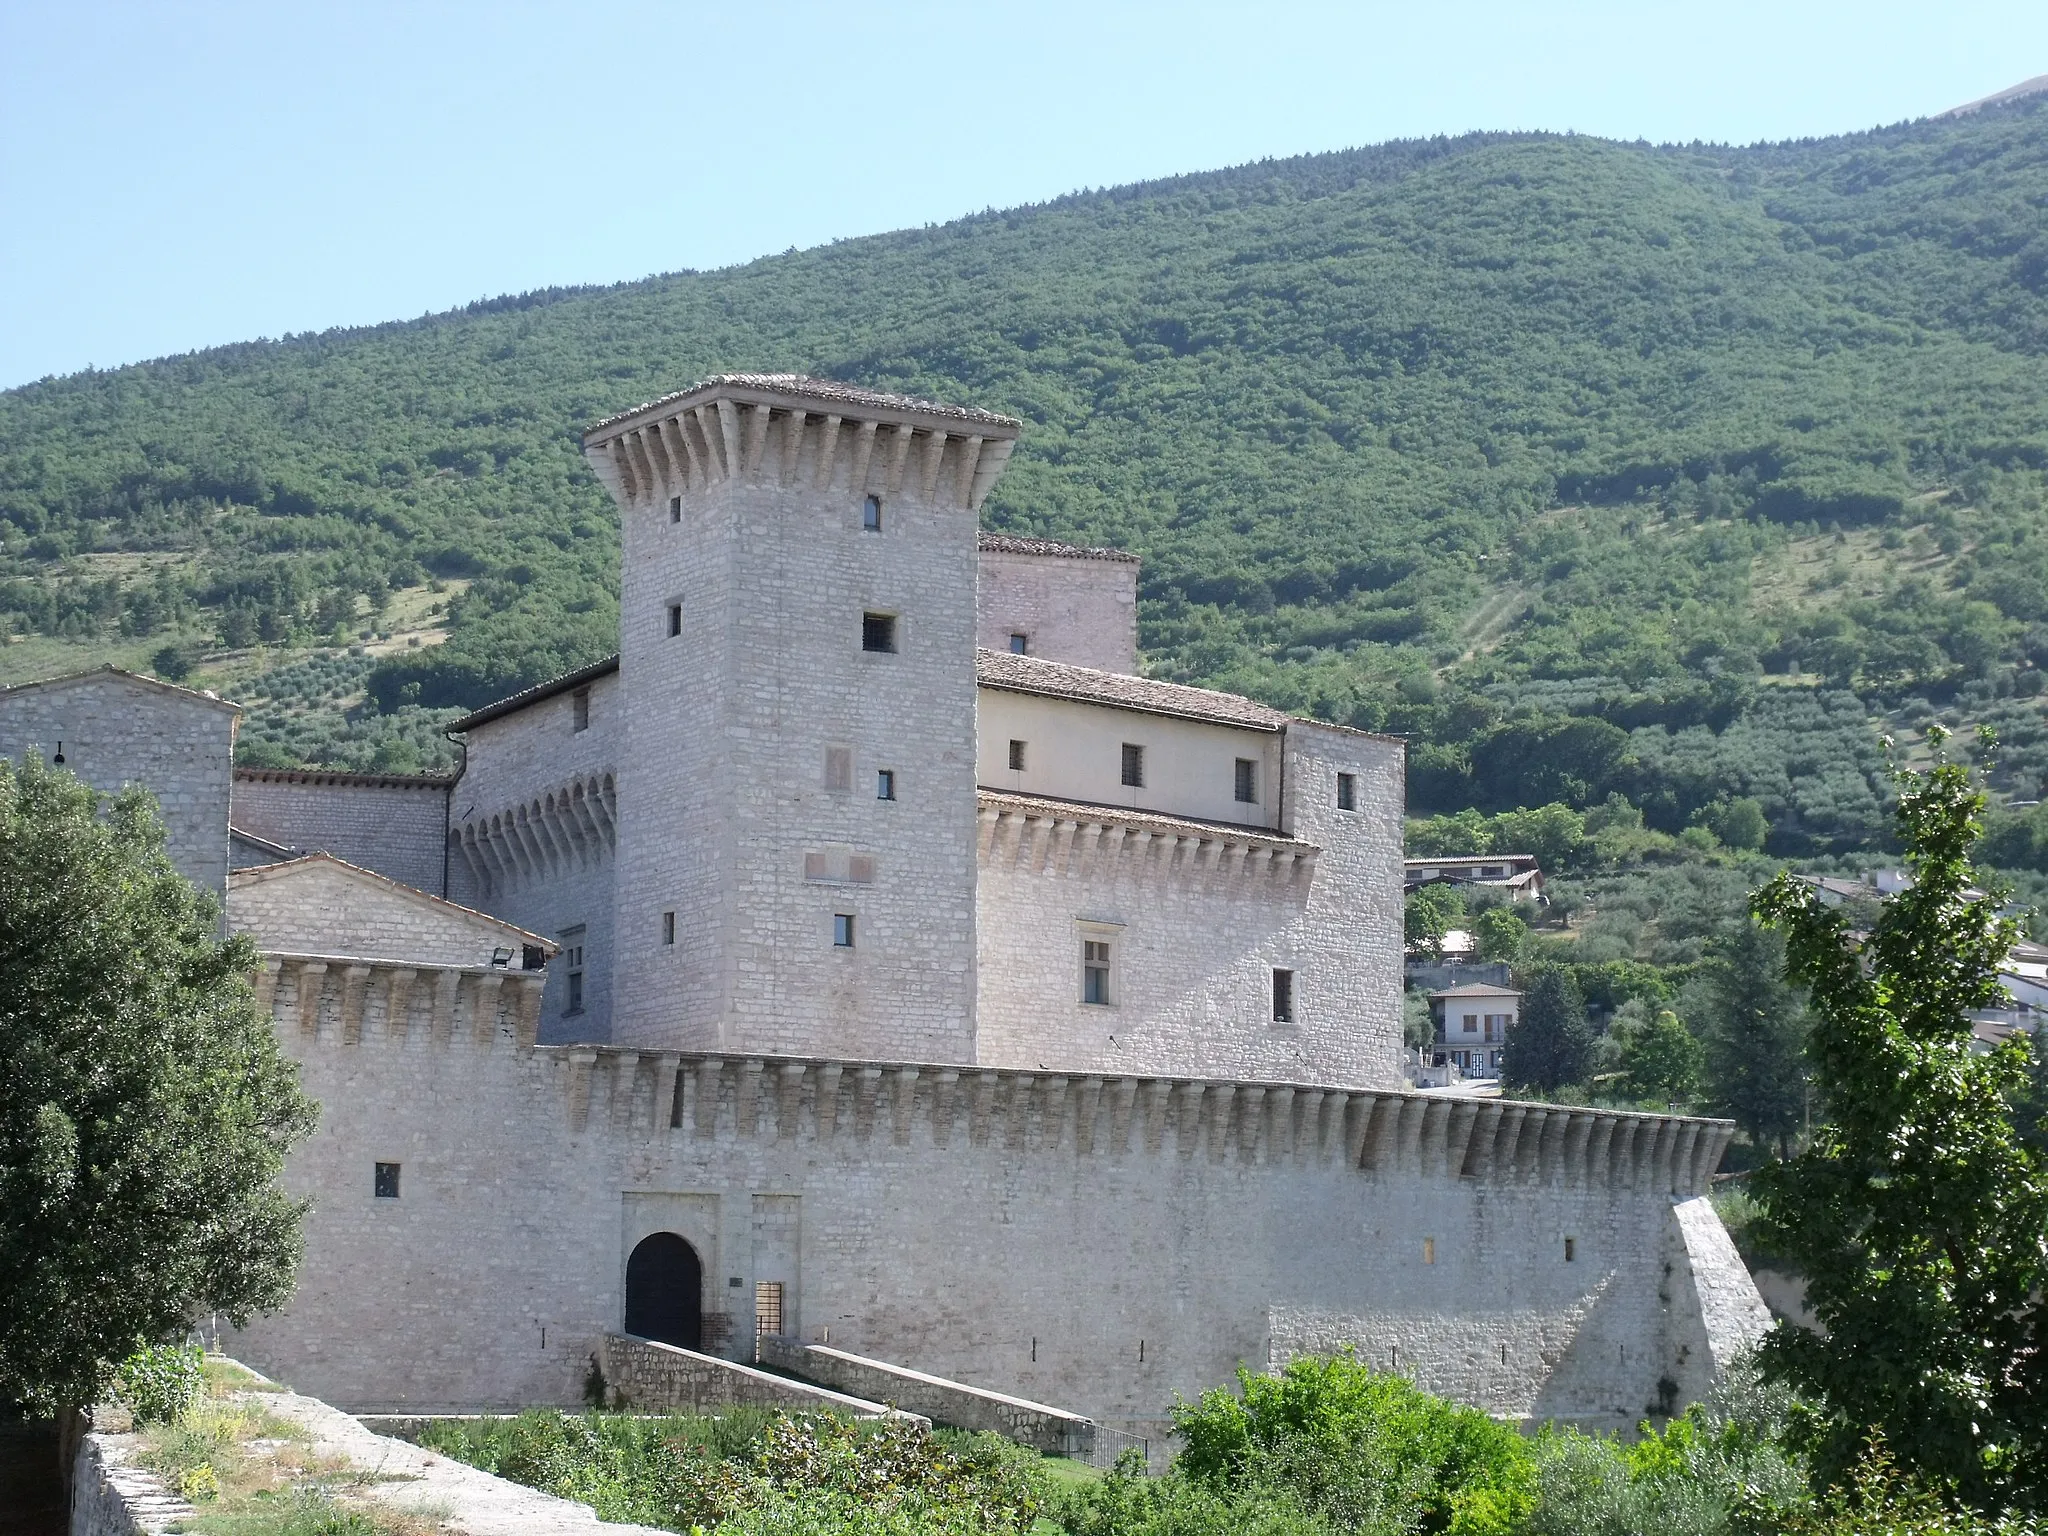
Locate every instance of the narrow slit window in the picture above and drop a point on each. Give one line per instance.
(675, 509)
(386, 1185)
(842, 930)
(1571, 1250)
(1283, 997)
(1134, 766)
(1247, 783)
(675, 620)
(579, 706)
(1016, 755)
(878, 632)
(1020, 645)
(572, 967)
(1095, 972)
(885, 783)
(871, 514)
(668, 929)
(1347, 791)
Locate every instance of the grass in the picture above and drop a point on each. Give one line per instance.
(250, 1472)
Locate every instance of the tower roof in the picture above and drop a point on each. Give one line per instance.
(801, 389)
(1018, 544)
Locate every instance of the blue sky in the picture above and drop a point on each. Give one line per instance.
(175, 176)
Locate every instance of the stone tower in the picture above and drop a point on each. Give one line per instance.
(796, 798)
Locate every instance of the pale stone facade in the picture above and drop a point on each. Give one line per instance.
(1027, 1021)
(396, 824)
(112, 728)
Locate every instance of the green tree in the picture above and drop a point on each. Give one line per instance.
(1552, 833)
(1917, 1214)
(1754, 1030)
(1501, 933)
(1660, 1061)
(1428, 916)
(1739, 822)
(145, 1108)
(1551, 1044)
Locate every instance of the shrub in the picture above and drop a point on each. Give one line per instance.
(160, 1382)
(1358, 1446)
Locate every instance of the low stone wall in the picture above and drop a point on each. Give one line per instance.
(653, 1377)
(1053, 1431)
(110, 1496)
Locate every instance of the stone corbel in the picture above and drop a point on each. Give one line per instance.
(1251, 1105)
(398, 1003)
(1158, 1094)
(963, 470)
(863, 451)
(865, 1088)
(934, 454)
(264, 980)
(483, 1006)
(1221, 1097)
(755, 449)
(1479, 1146)
(1123, 1098)
(1308, 1138)
(789, 1099)
(1187, 1117)
(1280, 1112)
(981, 1110)
(988, 470)
(1462, 1121)
(668, 1110)
(747, 1106)
(902, 1100)
(899, 455)
(1363, 1114)
(828, 452)
(792, 445)
(1499, 1166)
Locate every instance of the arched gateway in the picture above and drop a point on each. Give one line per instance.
(665, 1292)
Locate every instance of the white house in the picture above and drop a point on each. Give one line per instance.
(1472, 1024)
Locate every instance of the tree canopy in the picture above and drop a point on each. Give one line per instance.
(1918, 1212)
(145, 1108)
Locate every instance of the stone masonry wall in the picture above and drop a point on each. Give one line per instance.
(732, 813)
(115, 730)
(396, 825)
(1099, 1243)
(1079, 611)
(1197, 919)
(660, 1378)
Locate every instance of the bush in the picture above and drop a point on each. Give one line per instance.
(1358, 1447)
(161, 1382)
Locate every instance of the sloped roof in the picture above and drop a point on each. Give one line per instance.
(805, 387)
(538, 692)
(1476, 989)
(1017, 544)
(383, 885)
(1057, 679)
(68, 679)
(341, 778)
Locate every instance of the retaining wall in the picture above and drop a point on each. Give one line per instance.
(653, 1376)
(1051, 1430)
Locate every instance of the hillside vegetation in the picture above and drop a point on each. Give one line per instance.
(1680, 472)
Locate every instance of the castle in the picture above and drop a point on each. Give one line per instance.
(867, 952)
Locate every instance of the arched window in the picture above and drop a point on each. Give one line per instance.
(665, 1292)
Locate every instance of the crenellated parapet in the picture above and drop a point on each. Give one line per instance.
(353, 1000)
(798, 431)
(668, 1094)
(571, 826)
(1059, 838)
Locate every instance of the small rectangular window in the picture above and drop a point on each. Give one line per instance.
(839, 769)
(1134, 766)
(675, 620)
(842, 930)
(1095, 972)
(1571, 1250)
(572, 965)
(579, 705)
(675, 509)
(387, 1181)
(878, 632)
(575, 992)
(668, 928)
(1247, 781)
(1471, 1023)
(1283, 997)
(885, 783)
(1020, 645)
(1016, 755)
(1347, 791)
(871, 514)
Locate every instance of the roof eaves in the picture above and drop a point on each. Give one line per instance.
(539, 691)
(804, 387)
(199, 695)
(304, 860)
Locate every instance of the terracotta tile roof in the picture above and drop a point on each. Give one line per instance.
(824, 391)
(1056, 679)
(1476, 989)
(1016, 544)
(537, 692)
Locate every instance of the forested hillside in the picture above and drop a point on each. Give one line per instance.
(1673, 471)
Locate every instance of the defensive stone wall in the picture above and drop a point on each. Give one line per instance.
(1080, 608)
(395, 824)
(113, 728)
(1099, 1241)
